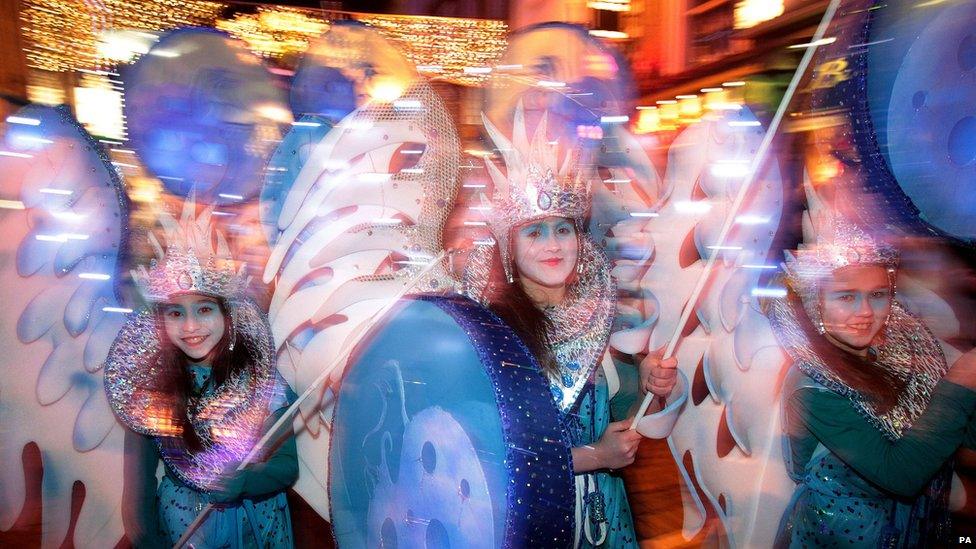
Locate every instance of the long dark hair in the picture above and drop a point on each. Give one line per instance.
(510, 302)
(879, 386)
(177, 381)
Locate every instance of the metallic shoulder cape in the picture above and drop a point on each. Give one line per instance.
(229, 421)
(581, 324)
(909, 351)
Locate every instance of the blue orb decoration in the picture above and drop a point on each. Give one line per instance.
(931, 122)
(464, 451)
(346, 66)
(204, 115)
(323, 91)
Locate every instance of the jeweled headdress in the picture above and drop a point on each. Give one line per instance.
(908, 350)
(228, 420)
(197, 260)
(838, 243)
(535, 185)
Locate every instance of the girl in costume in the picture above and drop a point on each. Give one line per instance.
(192, 377)
(870, 413)
(550, 283)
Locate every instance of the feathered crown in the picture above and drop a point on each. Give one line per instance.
(197, 260)
(535, 185)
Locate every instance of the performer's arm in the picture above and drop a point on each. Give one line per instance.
(970, 441)
(140, 516)
(275, 474)
(615, 449)
(902, 467)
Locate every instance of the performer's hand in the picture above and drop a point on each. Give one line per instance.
(963, 371)
(618, 445)
(658, 376)
(229, 488)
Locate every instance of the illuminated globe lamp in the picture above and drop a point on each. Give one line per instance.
(347, 66)
(204, 115)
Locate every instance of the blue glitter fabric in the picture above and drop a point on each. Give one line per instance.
(834, 506)
(586, 422)
(247, 523)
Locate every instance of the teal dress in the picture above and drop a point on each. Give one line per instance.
(585, 423)
(251, 512)
(857, 488)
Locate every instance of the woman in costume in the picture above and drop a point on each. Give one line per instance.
(870, 413)
(192, 377)
(551, 284)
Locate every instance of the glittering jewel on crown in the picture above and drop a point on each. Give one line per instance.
(839, 243)
(535, 185)
(197, 260)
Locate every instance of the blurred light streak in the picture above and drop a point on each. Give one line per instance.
(609, 34)
(730, 168)
(815, 43)
(12, 204)
(23, 120)
(769, 292)
(751, 220)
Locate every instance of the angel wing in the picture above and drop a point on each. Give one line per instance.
(362, 214)
(62, 213)
(729, 429)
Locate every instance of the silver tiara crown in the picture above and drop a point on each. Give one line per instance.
(197, 260)
(535, 185)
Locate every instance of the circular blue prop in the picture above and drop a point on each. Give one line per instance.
(322, 90)
(906, 79)
(445, 435)
(577, 83)
(346, 66)
(931, 121)
(204, 114)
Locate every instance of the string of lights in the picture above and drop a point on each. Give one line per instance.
(63, 35)
(70, 35)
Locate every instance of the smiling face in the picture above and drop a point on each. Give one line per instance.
(854, 305)
(546, 252)
(194, 324)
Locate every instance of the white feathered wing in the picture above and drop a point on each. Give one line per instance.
(57, 270)
(730, 427)
(353, 231)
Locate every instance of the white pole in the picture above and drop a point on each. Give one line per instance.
(289, 414)
(754, 166)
